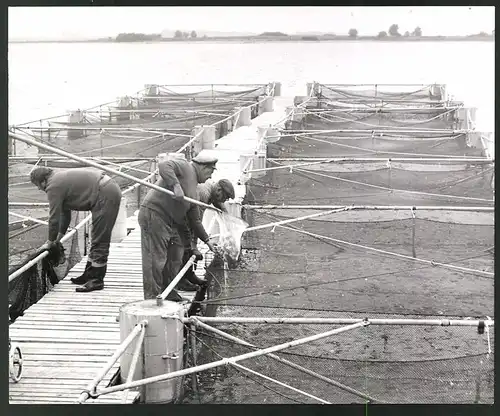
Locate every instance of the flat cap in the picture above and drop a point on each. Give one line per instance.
(227, 187)
(205, 159)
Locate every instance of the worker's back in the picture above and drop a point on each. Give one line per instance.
(77, 188)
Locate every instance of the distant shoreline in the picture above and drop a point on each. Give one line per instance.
(269, 39)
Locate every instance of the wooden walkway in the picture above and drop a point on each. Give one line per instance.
(67, 337)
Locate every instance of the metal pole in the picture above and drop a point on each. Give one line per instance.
(306, 217)
(279, 383)
(105, 168)
(28, 218)
(289, 363)
(226, 361)
(374, 207)
(122, 159)
(372, 160)
(338, 321)
(192, 337)
(135, 358)
(91, 387)
(161, 297)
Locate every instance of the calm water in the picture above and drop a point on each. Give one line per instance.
(49, 79)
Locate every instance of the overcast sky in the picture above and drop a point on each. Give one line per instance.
(91, 22)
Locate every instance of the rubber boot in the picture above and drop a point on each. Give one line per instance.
(80, 280)
(186, 286)
(191, 277)
(96, 281)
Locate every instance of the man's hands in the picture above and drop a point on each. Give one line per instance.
(214, 248)
(178, 192)
(48, 245)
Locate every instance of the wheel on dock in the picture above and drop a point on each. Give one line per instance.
(15, 362)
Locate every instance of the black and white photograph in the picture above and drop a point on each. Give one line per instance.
(281, 205)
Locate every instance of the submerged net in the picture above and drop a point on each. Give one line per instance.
(29, 287)
(386, 364)
(424, 263)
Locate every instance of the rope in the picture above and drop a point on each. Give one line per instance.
(403, 256)
(395, 190)
(385, 152)
(244, 374)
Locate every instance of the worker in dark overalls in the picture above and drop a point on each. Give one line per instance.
(81, 189)
(163, 217)
(210, 192)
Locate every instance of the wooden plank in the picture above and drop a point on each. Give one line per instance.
(102, 354)
(68, 336)
(66, 327)
(53, 340)
(75, 365)
(66, 373)
(70, 323)
(52, 383)
(36, 318)
(46, 356)
(73, 344)
(57, 334)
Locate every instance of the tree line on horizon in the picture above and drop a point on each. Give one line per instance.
(392, 32)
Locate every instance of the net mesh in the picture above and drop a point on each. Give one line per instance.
(30, 286)
(384, 364)
(362, 264)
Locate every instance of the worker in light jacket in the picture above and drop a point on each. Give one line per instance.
(210, 192)
(162, 219)
(81, 189)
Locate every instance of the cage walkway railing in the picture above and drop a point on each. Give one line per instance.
(138, 331)
(98, 166)
(226, 361)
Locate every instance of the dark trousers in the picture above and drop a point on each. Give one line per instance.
(162, 248)
(104, 214)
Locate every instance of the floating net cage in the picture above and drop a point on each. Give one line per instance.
(126, 135)
(407, 262)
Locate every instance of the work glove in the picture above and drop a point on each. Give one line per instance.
(196, 252)
(56, 251)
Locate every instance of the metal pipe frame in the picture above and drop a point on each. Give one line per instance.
(135, 359)
(111, 128)
(59, 158)
(279, 383)
(105, 168)
(424, 110)
(372, 160)
(24, 217)
(375, 207)
(306, 217)
(162, 296)
(338, 321)
(28, 204)
(286, 362)
(91, 387)
(378, 131)
(228, 361)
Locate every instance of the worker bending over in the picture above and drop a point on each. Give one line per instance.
(81, 189)
(210, 192)
(163, 220)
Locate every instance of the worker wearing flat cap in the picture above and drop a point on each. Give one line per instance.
(81, 189)
(210, 192)
(163, 217)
